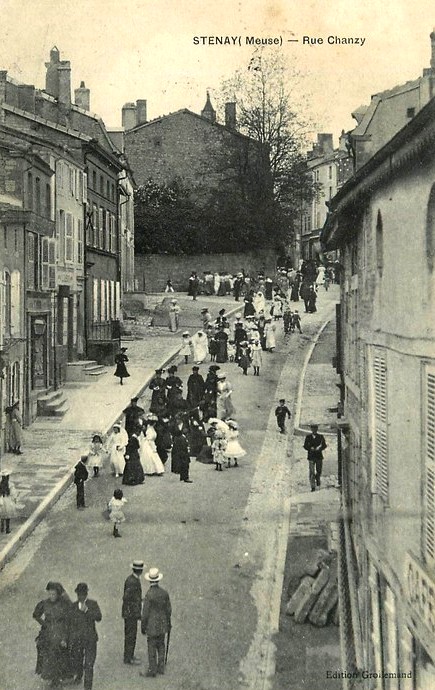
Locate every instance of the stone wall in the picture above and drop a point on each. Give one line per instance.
(153, 270)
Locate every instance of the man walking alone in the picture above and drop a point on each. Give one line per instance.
(83, 635)
(131, 611)
(315, 443)
(156, 622)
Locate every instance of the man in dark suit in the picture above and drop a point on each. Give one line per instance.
(156, 622)
(83, 635)
(80, 476)
(132, 415)
(131, 611)
(315, 443)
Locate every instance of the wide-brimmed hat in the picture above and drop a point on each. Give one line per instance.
(138, 565)
(222, 312)
(123, 349)
(213, 420)
(172, 369)
(222, 375)
(5, 472)
(238, 316)
(195, 368)
(134, 399)
(153, 575)
(117, 426)
(232, 423)
(186, 333)
(159, 371)
(204, 310)
(213, 367)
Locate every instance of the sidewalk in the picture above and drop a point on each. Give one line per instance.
(52, 446)
(313, 651)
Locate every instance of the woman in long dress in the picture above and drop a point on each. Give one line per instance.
(133, 472)
(121, 370)
(200, 347)
(174, 316)
(14, 433)
(53, 615)
(234, 450)
(259, 302)
(225, 407)
(116, 448)
(269, 332)
(149, 457)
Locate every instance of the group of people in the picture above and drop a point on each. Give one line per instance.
(66, 645)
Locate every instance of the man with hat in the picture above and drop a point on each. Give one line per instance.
(83, 635)
(156, 622)
(131, 610)
(195, 388)
(80, 476)
(132, 415)
(315, 443)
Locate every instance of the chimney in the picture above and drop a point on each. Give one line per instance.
(129, 118)
(432, 55)
(82, 96)
(58, 77)
(141, 111)
(230, 116)
(26, 97)
(325, 143)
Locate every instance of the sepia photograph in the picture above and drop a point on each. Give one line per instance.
(217, 345)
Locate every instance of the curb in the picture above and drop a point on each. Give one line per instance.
(61, 487)
(298, 430)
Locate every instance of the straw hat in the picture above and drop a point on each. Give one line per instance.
(153, 575)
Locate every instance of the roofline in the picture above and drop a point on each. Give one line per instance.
(190, 112)
(382, 165)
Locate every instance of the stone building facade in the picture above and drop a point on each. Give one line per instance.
(383, 224)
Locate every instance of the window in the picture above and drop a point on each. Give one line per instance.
(117, 300)
(410, 112)
(7, 303)
(84, 187)
(5, 236)
(107, 226)
(379, 243)
(430, 230)
(112, 300)
(48, 264)
(30, 190)
(72, 180)
(16, 239)
(95, 224)
(101, 229)
(48, 200)
(380, 440)
(376, 646)
(79, 241)
(108, 189)
(15, 287)
(38, 195)
(101, 185)
(31, 279)
(330, 172)
(95, 302)
(113, 192)
(103, 300)
(94, 180)
(429, 482)
(69, 238)
(61, 235)
(113, 247)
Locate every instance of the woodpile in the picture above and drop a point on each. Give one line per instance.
(316, 598)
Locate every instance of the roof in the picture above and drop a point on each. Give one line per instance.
(186, 111)
(412, 143)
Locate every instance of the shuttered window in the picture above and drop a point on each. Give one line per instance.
(380, 423)
(429, 441)
(15, 303)
(95, 301)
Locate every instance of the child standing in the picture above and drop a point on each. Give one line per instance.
(115, 506)
(96, 454)
(185, 346)
(296, 321)
(231, 349)
(169, 287)
(218, 449)
(8, 501)
(281, 414)
(257, 357)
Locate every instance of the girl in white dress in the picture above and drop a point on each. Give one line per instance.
(96, 454)
(186, 349)
(116, 446)
(149, 457)
(259, 302)
(233, 449)
(8, 501)
(116, 512)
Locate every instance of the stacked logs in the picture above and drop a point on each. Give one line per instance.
(316, 598)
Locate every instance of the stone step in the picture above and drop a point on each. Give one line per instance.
(52, 405)
(95, 370)
(80, 370)
(50, 397)
(57, 410)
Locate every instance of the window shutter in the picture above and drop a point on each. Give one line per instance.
(380, 413)
(15, 303)
(95, 310)
(429, 513)
(52, 264)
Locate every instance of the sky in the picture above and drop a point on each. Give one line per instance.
(128, 50)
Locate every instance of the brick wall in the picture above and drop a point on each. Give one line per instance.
(153, 270)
